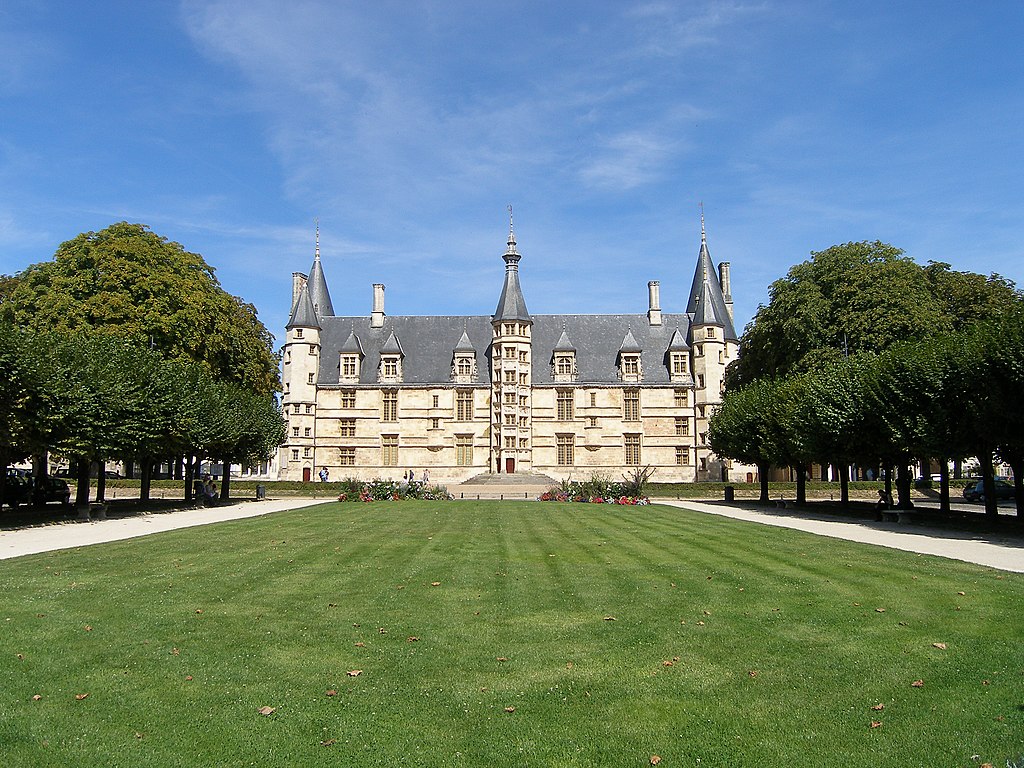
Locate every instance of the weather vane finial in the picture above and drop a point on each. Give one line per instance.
(316, 224)
(703, 237)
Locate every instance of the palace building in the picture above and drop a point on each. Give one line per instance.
(567, 396)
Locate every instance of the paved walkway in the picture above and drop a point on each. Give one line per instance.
(1003, 552)
(995, 551)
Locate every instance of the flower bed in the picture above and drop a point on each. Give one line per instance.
(391, 490)
(581, 499)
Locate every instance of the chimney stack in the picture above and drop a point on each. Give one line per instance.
(654, 299)
(377, 315)
(725, 281)
(298, 283)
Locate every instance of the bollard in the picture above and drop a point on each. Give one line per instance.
(730, 494)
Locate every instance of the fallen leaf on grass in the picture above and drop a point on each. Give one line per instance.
(88, 628)
(360, 644)
(609, 618)
(985, 682)
(502, 658)
(328, 743)
(876, 723)
(412, 639)
(37, 697)
(878, 707)
(80, 696)
(199, 610)
(354, 672)
(879, 610)
(188, 678)
(667, 663)
(655, 759)
(917, 684)
(175, 652)
(21, 657)
(510, 709)
(435, 583)
(962, 594)
(752, 673)
(940, 646)
(700, 623)
(266, 711)
(332, 692)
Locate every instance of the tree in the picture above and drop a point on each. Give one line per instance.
(127, 281)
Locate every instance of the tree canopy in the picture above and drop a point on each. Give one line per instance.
(127, 281)
(861, 297)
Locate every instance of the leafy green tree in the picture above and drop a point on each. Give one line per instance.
(127, 281)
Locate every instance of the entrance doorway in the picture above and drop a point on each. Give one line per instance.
(307, 474)
(510, 465)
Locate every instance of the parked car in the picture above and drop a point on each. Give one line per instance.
(976, 492)
(23, 488)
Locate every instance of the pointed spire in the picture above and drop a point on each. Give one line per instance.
(706, 303)
(511, 304)
(465, 344)
(317, 283)
(678, 341)
(564, 344)
(303, 313)
(629, 343)
(352, 345)
(392, 346)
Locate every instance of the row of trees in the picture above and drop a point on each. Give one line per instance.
(99, 398)
(126, 347)
(932, 366)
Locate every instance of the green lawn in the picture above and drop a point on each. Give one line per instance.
(506, 634)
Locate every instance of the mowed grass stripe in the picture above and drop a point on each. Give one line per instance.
(570, 615)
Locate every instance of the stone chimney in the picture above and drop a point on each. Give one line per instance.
(298, 283)
(725, 281)
(377, 315)
(654, 301)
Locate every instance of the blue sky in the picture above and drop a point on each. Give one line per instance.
(408, 127)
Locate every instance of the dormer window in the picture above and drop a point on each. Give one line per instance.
(390, 368)
(679, 366)
(564, 366)
(464, 368)
(629, 367)
(349, 368)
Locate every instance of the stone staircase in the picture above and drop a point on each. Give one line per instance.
(492, 485)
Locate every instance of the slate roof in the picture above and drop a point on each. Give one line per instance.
(303, 314)
(706, 303)
(318, 293)
(429, 344)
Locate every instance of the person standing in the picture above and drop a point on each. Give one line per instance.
(324, 474)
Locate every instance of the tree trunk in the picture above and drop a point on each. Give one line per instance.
(762, 476)
(989, 478)
(887, 472)
(944, 486)
(1016, 463)
(82, 488)
(844, 486)
(146, 479)
(189, 478)
(903, 484)
(225, 481)
(101, 481)
(801, 484)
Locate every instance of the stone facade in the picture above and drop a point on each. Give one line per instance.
(569, 396)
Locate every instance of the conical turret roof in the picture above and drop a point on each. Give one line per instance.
(512, 305)
(706, 303)
(303, 313)
(317, 283)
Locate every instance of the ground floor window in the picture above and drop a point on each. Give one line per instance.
(566, 444)
(464, 450)
(632, 457)
(347, 457)
(389, 450)
(682, 456)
